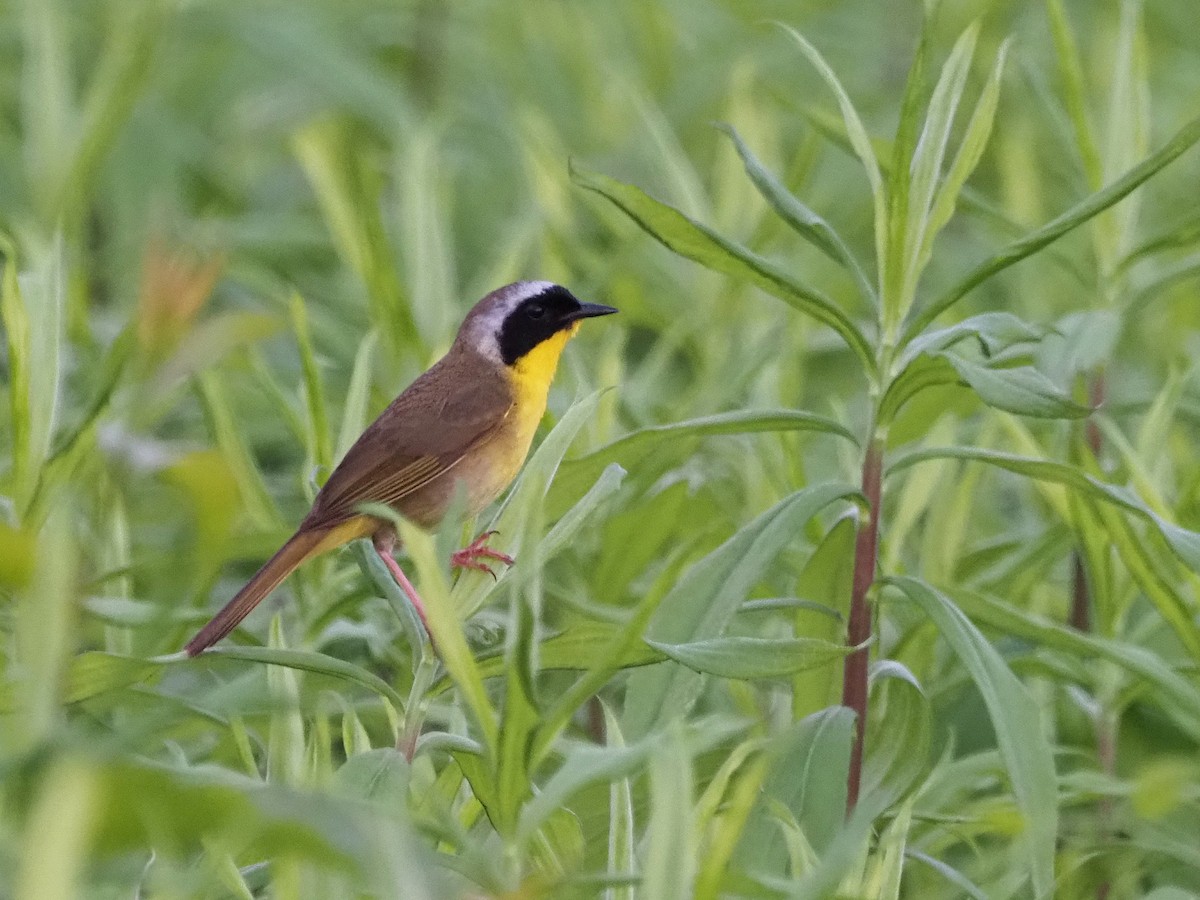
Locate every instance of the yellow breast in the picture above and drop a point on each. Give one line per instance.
(490, 467)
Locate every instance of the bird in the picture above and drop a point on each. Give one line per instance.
(466, 425)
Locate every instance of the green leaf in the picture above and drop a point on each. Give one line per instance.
(379, 776)
(303, 660)
(994, 331)
(358, 395)
(705, 599)
(899, 167)
(1016, 720)
(826, 576)
(230, 439)
(970, 151)
(1022, 390)
(1081, 342)
(723, 810)
(622, 856)
(41, 633)
(574, 519)
(811, 764)
(580, 646)
(520, 715)
(585, 765)
(1086, 209)
(630, 450)
(1178, 611)
(314, 391)
(1070, 72)
(670, 852)
(799, 216)
(94, 673)
(32, 308)
(1173, 692)
(753, 657)
(622, 647)
(926, 170)
(898, 740)
(925, 371)
(445, 626)
(1185, 544)
(348, 191)
(859, 140)
(700, 243)
(285, 729)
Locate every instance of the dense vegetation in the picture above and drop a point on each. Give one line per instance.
(858, 557)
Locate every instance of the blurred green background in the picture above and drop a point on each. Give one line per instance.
(233, 231)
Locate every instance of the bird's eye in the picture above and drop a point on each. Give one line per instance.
(535, 311)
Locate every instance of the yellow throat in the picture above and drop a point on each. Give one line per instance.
(532, 373)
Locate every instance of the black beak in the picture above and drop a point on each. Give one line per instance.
(590, 310)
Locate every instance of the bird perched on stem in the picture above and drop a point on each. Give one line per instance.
(468, 420)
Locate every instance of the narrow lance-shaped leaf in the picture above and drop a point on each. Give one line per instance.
(354, 409)
(16, 331)
(926, 167)
(707, 596)
(994, 330)
(1077, 215)
(670, 857)
(859, 140)
(445, 627)
(1178, 612)
(803, 220)
(1022, 390)
(520, 713)
(1184, 543)
(1172, 691)
(314, 390)
(622, 859)
(302, 660)
(1070, 71)
(1016, 721)
(899, 170)
(753, 657)
(897, 749)
(979, 129)
(700, 243)
(629, 450)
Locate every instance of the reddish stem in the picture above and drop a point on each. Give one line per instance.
(1080, 616)
(854, 673)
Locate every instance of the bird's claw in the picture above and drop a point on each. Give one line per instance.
(469, 556)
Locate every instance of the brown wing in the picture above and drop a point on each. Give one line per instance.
(422, 434)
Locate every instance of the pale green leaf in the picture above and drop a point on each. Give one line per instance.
(700, 243)
(753, 657)
(1016, 720)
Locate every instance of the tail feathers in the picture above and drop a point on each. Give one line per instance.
(299, 547)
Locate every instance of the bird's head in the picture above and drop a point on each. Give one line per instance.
(525, 325)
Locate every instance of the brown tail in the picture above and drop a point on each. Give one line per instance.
(299, 547)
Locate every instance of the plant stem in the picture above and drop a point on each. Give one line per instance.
(1080, 617)
(854, 678)
(414, 710)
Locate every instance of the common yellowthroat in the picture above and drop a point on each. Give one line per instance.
(470, 418)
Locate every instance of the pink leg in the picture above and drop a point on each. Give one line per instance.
(383, 546)
(468, 557)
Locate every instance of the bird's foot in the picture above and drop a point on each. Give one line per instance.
(470, 556)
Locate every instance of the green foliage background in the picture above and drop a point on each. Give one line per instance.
(232, 232)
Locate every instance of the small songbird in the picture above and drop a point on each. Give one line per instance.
(469, 419)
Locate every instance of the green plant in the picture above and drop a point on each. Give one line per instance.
(231, 232)
(915, 191)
